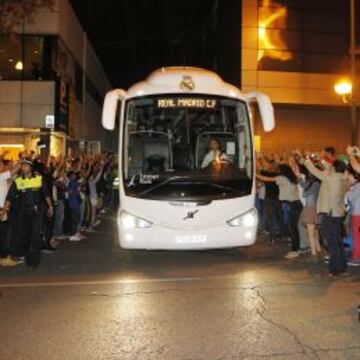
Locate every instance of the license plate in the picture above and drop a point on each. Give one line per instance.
(190, 239)
(190, 205)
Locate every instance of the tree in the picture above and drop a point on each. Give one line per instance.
(14, 12)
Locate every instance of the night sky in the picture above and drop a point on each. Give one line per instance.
(134, 37)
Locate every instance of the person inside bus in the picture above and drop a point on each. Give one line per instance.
(215, 154)
(155, 164)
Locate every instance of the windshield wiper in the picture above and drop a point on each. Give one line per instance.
(223, 187)
(172, 178)
(219, 186)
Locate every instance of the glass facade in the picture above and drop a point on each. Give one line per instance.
(26, 57)
(303, 36)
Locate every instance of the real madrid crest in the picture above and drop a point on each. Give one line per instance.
(187, 83)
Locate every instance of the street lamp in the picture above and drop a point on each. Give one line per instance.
(344, 89)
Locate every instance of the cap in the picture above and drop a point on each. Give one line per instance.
(344, 159)
(26, 161)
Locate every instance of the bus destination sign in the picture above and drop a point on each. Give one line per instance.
(186, 102)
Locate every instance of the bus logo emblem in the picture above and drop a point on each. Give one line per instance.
(191, 214)
(187, 84)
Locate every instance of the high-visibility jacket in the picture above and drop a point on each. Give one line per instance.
(29, 192)
(25, 184)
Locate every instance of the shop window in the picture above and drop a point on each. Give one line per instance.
(279, 17)
(26, 57)
(333, 5)
(38, 58)
(325, 21)
(275, 39)
(303, 36)
(281, 61)
(11, 61)
(326, 63)
(326, 43)
(33, 49)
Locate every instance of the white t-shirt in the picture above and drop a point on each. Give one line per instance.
(4, 186)
(211, 156)
(288, 191)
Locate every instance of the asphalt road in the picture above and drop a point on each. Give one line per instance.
(91, 301)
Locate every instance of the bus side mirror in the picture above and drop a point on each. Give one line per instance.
(265, 107)
(110, 108)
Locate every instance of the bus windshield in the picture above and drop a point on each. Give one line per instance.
(187, 148)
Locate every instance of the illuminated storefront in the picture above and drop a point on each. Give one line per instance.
(19, 140)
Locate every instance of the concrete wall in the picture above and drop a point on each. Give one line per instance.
(306, 128)
(93, 117)
(46, 21)
(25, 104)
(95, 71)
(70, 30)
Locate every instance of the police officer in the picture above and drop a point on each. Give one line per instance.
(26, 195)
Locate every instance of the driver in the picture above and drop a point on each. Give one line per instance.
(215, 154)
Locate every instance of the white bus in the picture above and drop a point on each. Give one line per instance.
(186, 161)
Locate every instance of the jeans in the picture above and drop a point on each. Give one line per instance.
(333, 234)
(295, 209)
(47, 227)
(303, 232)
(82, 213)
(87, 212)
(259, 205)
(26, 236)
(59, 218)
(273, 216)
(355, 220)
(322, 231)
(4, 238)
(74, 220)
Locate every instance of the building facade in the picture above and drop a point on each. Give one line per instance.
(51, 86)
(295, 51)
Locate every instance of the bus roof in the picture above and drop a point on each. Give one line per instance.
(188, 80)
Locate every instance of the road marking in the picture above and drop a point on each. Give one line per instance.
(109, 282)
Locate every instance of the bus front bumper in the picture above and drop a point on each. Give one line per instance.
(163, 238)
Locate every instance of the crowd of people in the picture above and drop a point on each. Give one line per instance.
(43, 203)
(310, 199)
(313, 200)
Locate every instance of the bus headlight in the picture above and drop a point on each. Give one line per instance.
(129, 221)
(247, 220)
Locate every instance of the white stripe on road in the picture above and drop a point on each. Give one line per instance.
(107, 282)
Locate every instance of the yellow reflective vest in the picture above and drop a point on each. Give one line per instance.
(34, 183)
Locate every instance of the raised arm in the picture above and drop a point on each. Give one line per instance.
(314, 170)
(265, 178)
(58, 168)
(88, 171)
(354, 163)
(353, 152)
(98, 175)
(79, 164)
(278, 160)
